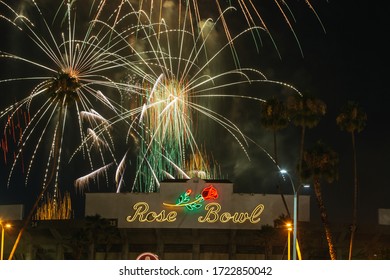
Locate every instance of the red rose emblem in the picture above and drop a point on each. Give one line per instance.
(209, 193)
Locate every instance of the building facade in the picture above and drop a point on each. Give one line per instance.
(190, 219)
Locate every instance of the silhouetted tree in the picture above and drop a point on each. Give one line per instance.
(305, 112)
(352, 119)
(321, 162)
(274, 117)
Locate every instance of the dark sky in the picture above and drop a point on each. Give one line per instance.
(361, 76)
(345, 63)
(353, 68)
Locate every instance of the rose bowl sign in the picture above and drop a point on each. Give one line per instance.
(193, 203)
(213, 214)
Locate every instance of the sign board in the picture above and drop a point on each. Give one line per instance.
(11, 212)
(194, 203)
(147, 256)
(384, 216)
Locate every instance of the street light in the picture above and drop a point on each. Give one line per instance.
(289, 229)
(295, 212)
(7, 225)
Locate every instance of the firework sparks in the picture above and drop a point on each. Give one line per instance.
(69, 77)
(172, 57)
(173, 76)
(250, 12)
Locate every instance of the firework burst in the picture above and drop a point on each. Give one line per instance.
(71, 75)
(177, 62)
(250, 13)
(176, 72)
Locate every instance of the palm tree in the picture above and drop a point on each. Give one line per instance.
(305, 112)
(274, 117)
(321, 162)
(78, 242)
(266, 236)
(352, 119)
(98, 231)
(93, 233)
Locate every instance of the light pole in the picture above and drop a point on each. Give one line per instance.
(2, 237)
(288, 225)
(295, 211)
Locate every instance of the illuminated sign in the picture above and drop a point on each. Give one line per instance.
(213, 214)
(196, 204)
(142, 214)
(213, 211)
(184, 200)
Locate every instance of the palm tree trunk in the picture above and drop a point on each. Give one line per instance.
(355, 196)
(324, 218)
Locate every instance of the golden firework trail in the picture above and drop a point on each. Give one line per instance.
(176, 60)
(69, 72)
(174, 76)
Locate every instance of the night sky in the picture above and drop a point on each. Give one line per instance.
(347, 62)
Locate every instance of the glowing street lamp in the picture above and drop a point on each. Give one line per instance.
(295, 213)
(289, 229)
(3, 226)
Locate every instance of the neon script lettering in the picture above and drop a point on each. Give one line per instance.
(142, 214)
(213, 215)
